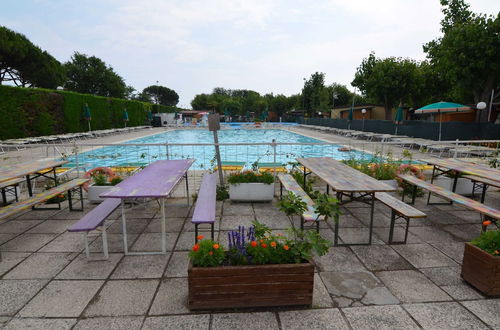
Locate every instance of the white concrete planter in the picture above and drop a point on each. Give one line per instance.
(392, 183)
(94, 192)
(464, 186)
(251, 192)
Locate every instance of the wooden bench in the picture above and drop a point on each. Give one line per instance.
(399, 210)
(485, 210)
(10, 187)
(483, 184)
(289, 183)
(69, 187)
(94, 219)
(204, 211)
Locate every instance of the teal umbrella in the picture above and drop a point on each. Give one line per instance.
(125, 116)
(150, 116)
(86, 114)
(442, 107)
(399, 117)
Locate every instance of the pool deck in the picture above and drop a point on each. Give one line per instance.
(47, 283)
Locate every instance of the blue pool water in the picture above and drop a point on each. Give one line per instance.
(204, 155)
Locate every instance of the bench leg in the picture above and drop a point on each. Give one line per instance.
(394, 217)
(87, 249)
(212, 229)
(195, 233)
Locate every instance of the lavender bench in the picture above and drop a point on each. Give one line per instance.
(204, 211)
(93, 220)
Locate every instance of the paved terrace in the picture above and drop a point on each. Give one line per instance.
(47, 283)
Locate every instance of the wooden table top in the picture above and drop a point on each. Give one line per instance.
(482, 171)
(342, 177)
(157, 180)
(23, 169)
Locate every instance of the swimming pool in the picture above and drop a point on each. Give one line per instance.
(159, 146)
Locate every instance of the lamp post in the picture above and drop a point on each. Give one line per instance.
(363, 112)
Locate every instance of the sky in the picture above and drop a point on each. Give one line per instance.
(268, 46)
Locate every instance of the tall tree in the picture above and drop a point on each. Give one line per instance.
(162, 95)
(312, 91)
(89, 74)
(25, 64)
(467, 55)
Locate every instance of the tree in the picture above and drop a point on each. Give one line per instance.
(312, 91)
(467, 54)
(25, 64)
(92, 76)
(162, 95)
(388, 81)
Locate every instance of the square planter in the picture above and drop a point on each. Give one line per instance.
(94, 192)
(250, 286)
(464, 186)
(481, 270)
(251, 192)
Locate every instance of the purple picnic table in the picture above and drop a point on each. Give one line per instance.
(157, 180)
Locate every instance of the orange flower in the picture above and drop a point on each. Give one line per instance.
(273, 244)
(199, 237)
(262, 241)
(496, 252)
(253, 243)
(486, 223)
(264, 245)
(196, 247)
(215, 246)
(286, 247)
(210, 252)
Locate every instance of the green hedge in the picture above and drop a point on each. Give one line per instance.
(26, 112)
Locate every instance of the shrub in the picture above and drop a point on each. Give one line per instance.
(250, 177)
(489, 241)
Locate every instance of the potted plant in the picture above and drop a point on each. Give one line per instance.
(103, 178)
(481, 263)
(258, 268)
(407, 188)
(464, 186)
(250, 186)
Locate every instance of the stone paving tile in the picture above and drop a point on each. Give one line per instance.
(411, 286)
(486, 310)
(186, 240)
(173, 225)
(349, 221)
(82, 268)
(432, 234)
(321, 297)
(449, 315)
(6, 237)
(28, 242)
(176, 322)
(353, 285)
(40, 266)
(38, 214)
(453, 250)
(462, 292)
(465, 232)
(257, 321)
(4, 320)
(423, 255)
(465, 216)
(380, 257)
(133, 227)
(399, 235)
(67, 242)
(115, 243)
(52, 227)
(172, 297)
(239, 209)
(313, 319)
(189, 226)
(110, 323)
(379, 318)
(339, 259)
(123, 297)
(357, 235)
(178, 264)
(40, 324)
(151, 242)
(443, 275)
(146, 266)
(379, 296)
(17, 226)
(279, 221)
(16, 293)
(61, 299)
(11, 259)
(232, 222)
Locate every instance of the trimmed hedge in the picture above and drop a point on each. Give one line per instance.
(26, 112)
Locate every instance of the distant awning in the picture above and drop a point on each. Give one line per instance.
(443, 107)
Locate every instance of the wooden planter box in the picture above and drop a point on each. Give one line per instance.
(250, 286)
(481, 270)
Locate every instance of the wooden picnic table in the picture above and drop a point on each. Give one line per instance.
(31, 170)
(156, 180)
(346, 181)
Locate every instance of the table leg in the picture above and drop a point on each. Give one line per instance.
(483, 193)
(163, 228)
(28, 184)
(124, 227)
(187, 188)
(432, 180)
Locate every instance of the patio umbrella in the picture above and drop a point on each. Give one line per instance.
(150, 116)
(399, 118)
(86, 114)
(442, 107)
(125, 116)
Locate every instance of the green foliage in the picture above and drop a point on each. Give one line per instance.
(161, 95)
(222, 193)
(292, 204)
(327, 206)
(489, 241)
(207, 253)
(116, 180)
(377, 167)
(250, 176)
(100, 179)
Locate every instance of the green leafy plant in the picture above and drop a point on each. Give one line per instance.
(206, 253)
(327, 206)
(291, 205)
(489, 241)
(250, 177)
(222, 193)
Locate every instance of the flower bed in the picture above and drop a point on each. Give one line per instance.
(103, 178)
